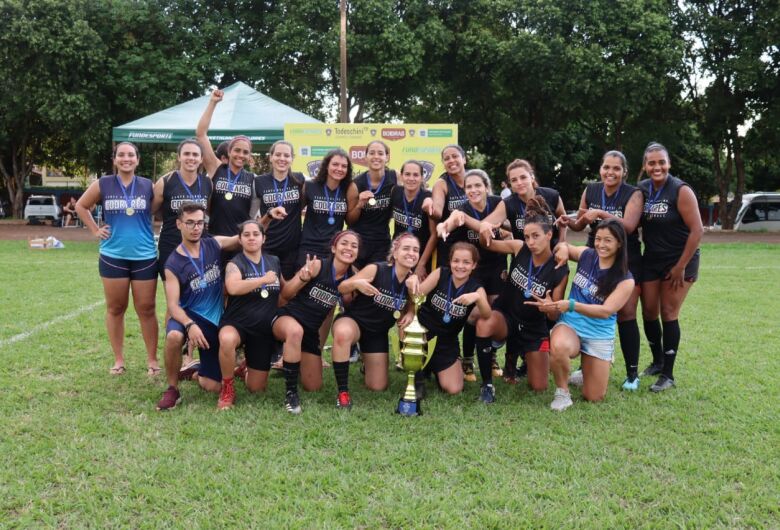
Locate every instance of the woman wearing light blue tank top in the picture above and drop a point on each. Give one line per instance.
(601, 286)
(128, 255)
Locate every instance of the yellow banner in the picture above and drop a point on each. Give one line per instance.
(407, 141)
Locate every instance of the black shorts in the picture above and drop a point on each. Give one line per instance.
(310, 343)
(520, 342)
(288, 261)
(657, 268)
(491, 280)
(445, 354)
(371, 252)
(164, 253)
(258, 344)
(635, 268)
(371, 340)
(143, 269)
(209, 359)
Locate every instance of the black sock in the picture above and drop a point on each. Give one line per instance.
(484, 358)
(291, 375)
(469, 338)
(510, 364)
(342, 375)
(653, 334)
(671, 344)
(629, 343)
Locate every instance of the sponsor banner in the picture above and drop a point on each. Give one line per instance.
(408, 141)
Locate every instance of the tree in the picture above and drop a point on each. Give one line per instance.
(727, 42)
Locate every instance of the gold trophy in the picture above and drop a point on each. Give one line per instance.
(414, 357)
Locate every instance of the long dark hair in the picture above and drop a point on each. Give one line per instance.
(617, 272)
(322, 174)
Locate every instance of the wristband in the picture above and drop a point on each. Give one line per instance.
(571, 304)
(187, 326)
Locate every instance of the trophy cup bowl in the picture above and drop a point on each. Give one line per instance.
(415, 355)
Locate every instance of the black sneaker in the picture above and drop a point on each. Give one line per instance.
(487, 394)
(354, 354)
(292, 403)
(663, 383)
(522, 371)
(653, 369)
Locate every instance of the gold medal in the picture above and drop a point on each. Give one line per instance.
(229, 196)
(396, 314)
(129, 211)
(372, 201)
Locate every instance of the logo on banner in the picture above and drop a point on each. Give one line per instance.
(328, 132)
(373, 132)
(411, 132)
(357, 153)
(427, 170)
(313, 167)
(394, 134)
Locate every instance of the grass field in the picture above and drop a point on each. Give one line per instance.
(82, 449)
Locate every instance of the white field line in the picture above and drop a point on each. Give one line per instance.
(742, 267)
(52, 322)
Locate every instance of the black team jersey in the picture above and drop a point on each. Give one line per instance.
(439, 303)
(226, 214)
(282, 236)
(252, 310)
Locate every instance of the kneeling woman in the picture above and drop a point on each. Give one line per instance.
(252, 283)
(380, 302)
(601, 286)
(532, 274)
(312, 293)
(452, 294)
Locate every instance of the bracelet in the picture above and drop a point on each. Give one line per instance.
(187, 326)
(571, 304)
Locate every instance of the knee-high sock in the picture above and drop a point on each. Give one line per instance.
(291, 375)
(653, 334)
(671, 344)
(341, 371)
(629, 343)
(469, 336)
(484, 358)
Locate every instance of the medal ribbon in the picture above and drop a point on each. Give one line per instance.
(128, 199)
(331, 204)
(456, 190)
(476, 213)
(407, 205)
(202, 270)
(653, 198)
(396, 300)
(187, 188)
(254, 267)
(232, 180)
(337, 283)
(604, 203)
(458, 291)
(280, 198)
(381, 183)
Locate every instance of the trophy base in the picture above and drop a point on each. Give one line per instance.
(408, 408)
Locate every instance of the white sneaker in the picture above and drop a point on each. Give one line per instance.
(562, 400)
(576, 378)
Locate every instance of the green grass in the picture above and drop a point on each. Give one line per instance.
(82, 449)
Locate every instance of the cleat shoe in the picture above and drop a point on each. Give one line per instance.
(510, 379)
(653, 369)
(576, 378)
(170, 399)
(343, 401)
(468, 371)
(632, 385)
(354, 354)
(663, 383)
(189, 371)
(292, 403)
(240, 371)
(227, 396)
(487, 394)
(495, 368)
(562, 400)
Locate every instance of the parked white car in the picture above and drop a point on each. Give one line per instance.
(42, 208)
(759, 211)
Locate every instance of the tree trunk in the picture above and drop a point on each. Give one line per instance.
(739, 164)
(723, 188)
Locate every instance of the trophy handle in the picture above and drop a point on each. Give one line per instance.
(429, 347)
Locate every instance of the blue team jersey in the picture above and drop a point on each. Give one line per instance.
(583, 289)
(131, 235)
(200, 280)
